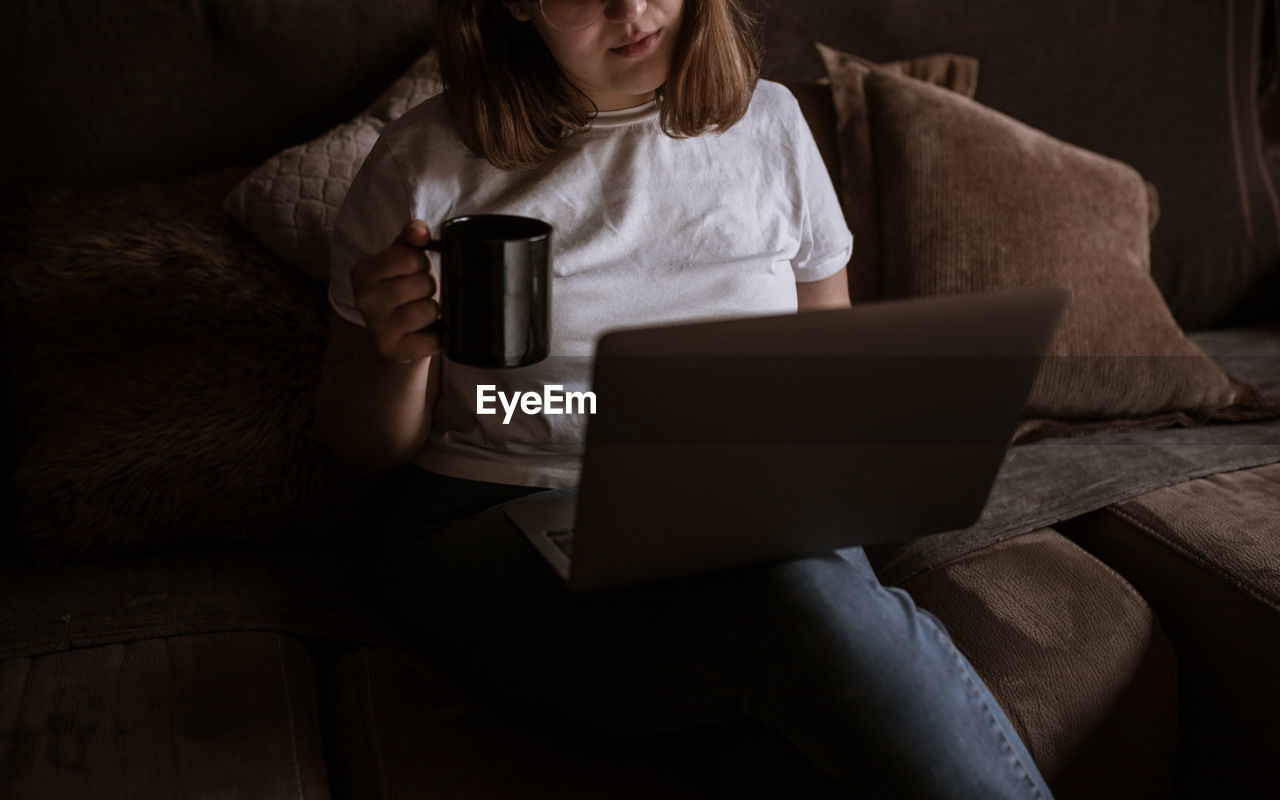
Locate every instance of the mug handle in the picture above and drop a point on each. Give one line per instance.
(435, 246)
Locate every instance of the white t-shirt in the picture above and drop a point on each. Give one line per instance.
(647, 229)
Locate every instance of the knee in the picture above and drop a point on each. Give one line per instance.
(832, 588)
(832, 612)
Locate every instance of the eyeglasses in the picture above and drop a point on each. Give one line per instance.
(572, 15)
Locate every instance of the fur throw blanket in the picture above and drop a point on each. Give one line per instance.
(162, 371)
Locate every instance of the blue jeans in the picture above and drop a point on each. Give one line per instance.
(867, 687)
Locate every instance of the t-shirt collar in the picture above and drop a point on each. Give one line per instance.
(626, 116)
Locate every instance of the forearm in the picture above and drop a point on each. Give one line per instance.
(373, 413)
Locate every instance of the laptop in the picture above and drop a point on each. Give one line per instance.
(723, 443)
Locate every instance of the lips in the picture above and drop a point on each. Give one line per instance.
(638, 46)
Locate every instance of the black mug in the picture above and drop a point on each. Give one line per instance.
(495, 289)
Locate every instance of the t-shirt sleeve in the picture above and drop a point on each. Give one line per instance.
(375, 210)
(826, 244)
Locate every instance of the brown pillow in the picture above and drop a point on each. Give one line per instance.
(163, 370)
(972, 200)
(856, 180)
(1170, 88)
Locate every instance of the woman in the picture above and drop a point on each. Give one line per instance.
(679, 186)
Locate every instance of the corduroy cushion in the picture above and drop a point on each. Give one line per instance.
(1074, 656)
(973, 200)
(291, 200)
(1205, 554)
(1169, 87)
(1227, 525)
(856, 179)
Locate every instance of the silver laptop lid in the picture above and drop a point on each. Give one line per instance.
(723, 443)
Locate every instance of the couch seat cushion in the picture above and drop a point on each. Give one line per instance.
(404, 730)
(1228, 525)
(1206, 555)
(230, 715)
(1073, 654)
(312, 591)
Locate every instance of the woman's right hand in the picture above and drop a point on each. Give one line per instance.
(395, 291)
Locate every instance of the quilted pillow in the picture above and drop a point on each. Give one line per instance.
(292, 199)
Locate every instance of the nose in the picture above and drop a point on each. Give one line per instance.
(624, 10)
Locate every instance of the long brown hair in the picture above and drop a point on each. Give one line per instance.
(512, 104)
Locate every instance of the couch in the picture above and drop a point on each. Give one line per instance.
(187, 600)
